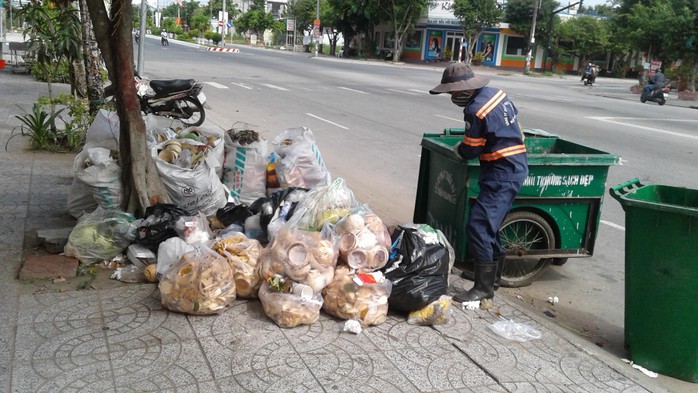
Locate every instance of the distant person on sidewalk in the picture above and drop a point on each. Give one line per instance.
(493, 135)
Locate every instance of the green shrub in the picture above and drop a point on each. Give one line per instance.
(216, 38)
(62, 73)
(56, 132)
(39, 126)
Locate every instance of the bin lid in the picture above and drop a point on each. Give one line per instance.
(679, 200)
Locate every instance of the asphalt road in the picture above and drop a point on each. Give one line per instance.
(369, 119)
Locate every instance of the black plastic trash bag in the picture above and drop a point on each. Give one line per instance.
(158, 225)
(419, 266)
(276, 209)
(233, 214)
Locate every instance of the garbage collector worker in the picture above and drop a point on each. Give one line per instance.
(493, 134)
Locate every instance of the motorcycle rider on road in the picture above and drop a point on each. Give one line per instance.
(589, 73)
(163, 38)
(656, 82)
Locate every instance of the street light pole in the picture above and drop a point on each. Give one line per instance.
(527, 66)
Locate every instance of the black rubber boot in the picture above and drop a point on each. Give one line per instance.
(485, 273)
(501, 260)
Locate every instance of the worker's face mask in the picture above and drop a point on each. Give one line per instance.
(462, 98)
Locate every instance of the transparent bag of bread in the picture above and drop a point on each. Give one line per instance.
(363, 240)
(288, 309)
(243, 256)
(200, 283)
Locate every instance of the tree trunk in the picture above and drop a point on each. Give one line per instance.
(91, 59)
(141, 182)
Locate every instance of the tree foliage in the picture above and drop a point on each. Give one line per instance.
(401, 15)
(588, 36)
(53, 36)
(519, 15)
(475, 16)
(256, 20)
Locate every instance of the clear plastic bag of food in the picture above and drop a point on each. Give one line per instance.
(306, 257)
(437, 312)
(359, 296)
(324, 204)
(289, 309)
(100, 235)
(364, 241)
(200, 283)
(243, 255)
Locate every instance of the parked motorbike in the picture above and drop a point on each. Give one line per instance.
(181, 99)
(658, 95)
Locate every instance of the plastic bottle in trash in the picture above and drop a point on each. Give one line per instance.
(272, 178)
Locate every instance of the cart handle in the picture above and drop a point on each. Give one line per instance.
(625, 188)
(454, 131)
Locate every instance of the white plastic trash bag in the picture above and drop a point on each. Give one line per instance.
(169, 252)
(104, 130)
(80, 199)
(245, 170)
(195, 189)
(300, 163)
(102, 174)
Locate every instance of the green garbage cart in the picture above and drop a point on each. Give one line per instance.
(554, 217)
(661, 277)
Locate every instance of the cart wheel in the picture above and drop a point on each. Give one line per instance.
(559, 261)
(525, 231)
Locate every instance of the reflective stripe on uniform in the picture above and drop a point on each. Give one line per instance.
(491, 104)
(474, 141)
(501, 153)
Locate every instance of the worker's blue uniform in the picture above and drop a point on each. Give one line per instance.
(492, 133)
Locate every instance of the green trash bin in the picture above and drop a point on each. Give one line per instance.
(554, 217)
(661, 277)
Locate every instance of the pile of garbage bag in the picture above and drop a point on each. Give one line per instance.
(255, 224)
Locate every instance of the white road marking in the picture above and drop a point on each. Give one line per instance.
(243, 86)
(653, 129)
(545, 97)
(355, 91)
(274, 87)
(612, 225)
(327, 121)
(216, 85)
(401, 92)
(450, 118)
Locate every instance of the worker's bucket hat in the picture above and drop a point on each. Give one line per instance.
(459, 77)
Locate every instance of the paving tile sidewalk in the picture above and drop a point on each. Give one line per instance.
(122, 339)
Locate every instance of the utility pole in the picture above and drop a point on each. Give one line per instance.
(527, 66)
(317, 37)
(225, 23)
